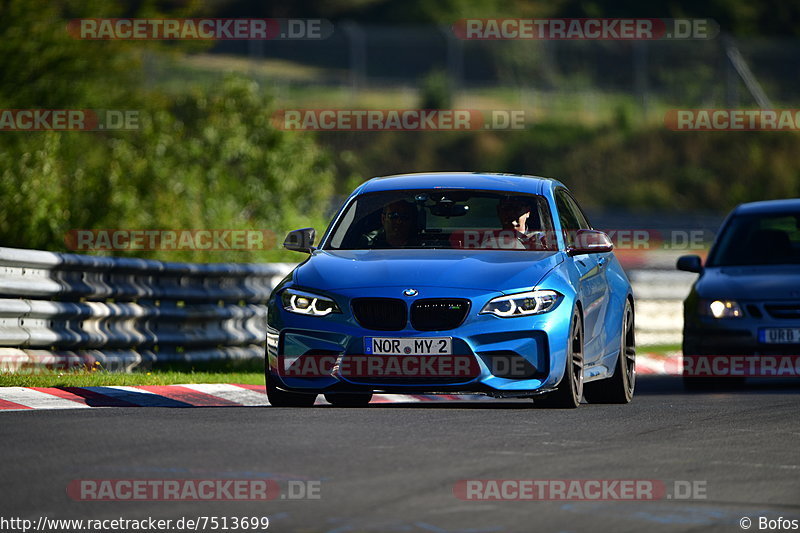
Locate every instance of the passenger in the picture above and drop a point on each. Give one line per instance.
(521, 228)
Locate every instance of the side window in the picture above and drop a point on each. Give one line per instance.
(570, 224)
(544, 216)
(583, 222)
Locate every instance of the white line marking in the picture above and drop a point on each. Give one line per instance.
(144, 398)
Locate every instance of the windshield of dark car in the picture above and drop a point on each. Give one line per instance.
(759, 239)
(439, 218)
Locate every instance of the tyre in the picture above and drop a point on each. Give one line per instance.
(706, 383)
(699, 384)
(693, 383)
(280, 398)
(619, 387)
(349, 399)
(569, 391)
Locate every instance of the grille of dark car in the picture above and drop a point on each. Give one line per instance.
(383, 314)
(754, 311)
(783, 310)
(437, 314)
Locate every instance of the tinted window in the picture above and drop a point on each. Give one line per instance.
(439, 218)
(571, 217)
(769, 239)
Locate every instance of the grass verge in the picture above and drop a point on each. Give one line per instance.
(246, 372)
(663, 350)
(46, 378)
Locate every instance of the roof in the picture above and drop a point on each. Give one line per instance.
(770, 206)
(460, 180)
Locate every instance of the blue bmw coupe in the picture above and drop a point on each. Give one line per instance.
(453, 283)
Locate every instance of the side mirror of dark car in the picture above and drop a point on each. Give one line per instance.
(590, 241)
(690, 263)
(300, 240)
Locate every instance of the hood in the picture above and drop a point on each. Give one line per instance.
(750, 283)
(491, 270)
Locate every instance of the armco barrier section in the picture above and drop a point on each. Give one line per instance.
(659, 298)
(63, 310)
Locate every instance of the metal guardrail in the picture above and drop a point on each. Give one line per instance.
(659, 304)
(68, 309)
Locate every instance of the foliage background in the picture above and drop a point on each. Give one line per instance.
(207, 156)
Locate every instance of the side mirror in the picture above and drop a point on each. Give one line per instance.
(590, 241)
(300, 240)
(690, 263)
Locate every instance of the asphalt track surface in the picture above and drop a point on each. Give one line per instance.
(393, 467)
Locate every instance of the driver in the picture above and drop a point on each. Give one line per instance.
(398, 226)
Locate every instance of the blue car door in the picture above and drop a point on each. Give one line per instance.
(592, 279)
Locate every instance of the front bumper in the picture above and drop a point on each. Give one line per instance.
(705, 335)
(518, 356)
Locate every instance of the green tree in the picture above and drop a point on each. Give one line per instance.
(199, 160)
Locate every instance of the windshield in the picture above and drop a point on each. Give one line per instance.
(440, 218)
(765, 239)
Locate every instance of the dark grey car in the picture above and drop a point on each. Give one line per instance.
(746, 300)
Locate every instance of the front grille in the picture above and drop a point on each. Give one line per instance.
(383, 314)
(754, 311)
(437, 314)
(783, 310)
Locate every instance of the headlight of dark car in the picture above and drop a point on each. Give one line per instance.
(522, 304)
(306, 303)
(720, 308)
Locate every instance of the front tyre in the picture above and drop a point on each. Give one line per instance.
(281, 398)
(619, 387)
(569, 391)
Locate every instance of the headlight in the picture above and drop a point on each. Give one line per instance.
(522, 304)
(720, 308)
(305, 303)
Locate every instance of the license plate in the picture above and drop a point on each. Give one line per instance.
(408, 345)
(779, 335)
